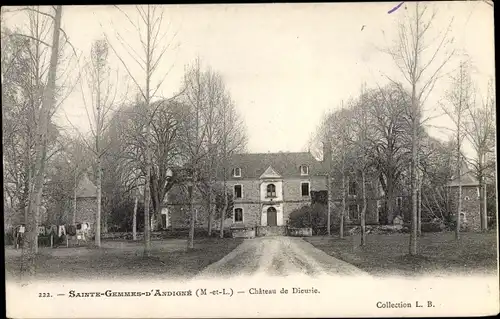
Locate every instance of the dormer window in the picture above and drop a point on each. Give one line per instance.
(304, 170)
(237, 172)
(271, 190)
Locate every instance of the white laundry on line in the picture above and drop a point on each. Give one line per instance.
(61, 230)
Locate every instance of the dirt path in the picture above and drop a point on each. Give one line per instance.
(278, 256)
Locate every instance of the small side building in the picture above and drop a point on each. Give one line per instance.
(86, 204)
(470, 215)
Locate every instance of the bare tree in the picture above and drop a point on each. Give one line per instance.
(480, 130)
(225, 168)
(154, 45)
(196, 97)
(101, 93)
(460, 99)
(209, 134)
(362, 145)
(343, 147)
(389, 140)
(326, 135)
(48, 104)
(215, 95)
(41, 88)
(335, 130)
(421, 63)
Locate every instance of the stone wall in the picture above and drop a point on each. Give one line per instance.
(470, 206)
(250, 202)
(299, 232)
(251, 214)
(292, 190)
(270, 231)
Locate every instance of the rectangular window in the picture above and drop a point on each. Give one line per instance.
(238, 215)
(353, 211)
(304, 170)
(304, 187)
(271, 190)
(352, 188)
(237, 191)
(237, 172)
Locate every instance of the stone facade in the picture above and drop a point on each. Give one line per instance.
(86, 208)
(86, 205)
(266, 188)
(471, 216)
(275, 184)
(471, 213)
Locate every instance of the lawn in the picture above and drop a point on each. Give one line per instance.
(119, 259)
(439, 253)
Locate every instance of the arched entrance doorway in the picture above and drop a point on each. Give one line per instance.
(272, 218)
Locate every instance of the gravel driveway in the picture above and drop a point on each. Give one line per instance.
(278, 256)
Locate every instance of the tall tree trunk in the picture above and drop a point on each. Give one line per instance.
(27, 187)
(147, 196)
(191, 209)
(415, 125)
(413, 171)
(99, 199)
(484, 208)
(223, 212)
(363, 168)
(459, 170)
(482, 194)
(363, 212)
(73, 219)
(342, 212)
(390, 199)
(209, 209)
(155, 200)
(134, 217)
(99, 123)
(41, 146)
(459, 199)
(329, 206)
(419, 206)
(37, 214)
(157, 211)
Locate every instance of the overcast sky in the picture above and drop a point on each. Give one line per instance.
(285, 65)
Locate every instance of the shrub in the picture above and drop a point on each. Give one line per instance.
(314, 216)
(432, 227)
(9, 238)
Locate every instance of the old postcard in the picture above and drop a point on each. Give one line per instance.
(250, 160)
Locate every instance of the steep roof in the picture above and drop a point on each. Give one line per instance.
(270, 173)
(467, 179)
(286, 164)
(86, 188)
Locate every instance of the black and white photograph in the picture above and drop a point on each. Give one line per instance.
(250, 160)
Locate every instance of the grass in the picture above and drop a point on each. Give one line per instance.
(117, 259)
(438, 253)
